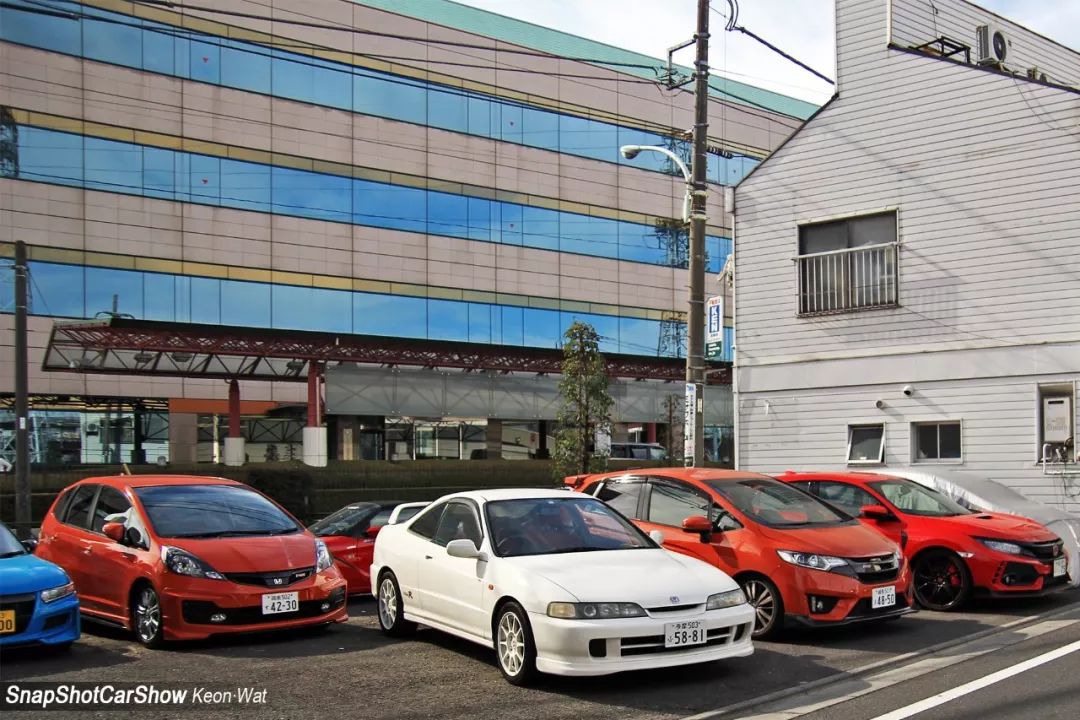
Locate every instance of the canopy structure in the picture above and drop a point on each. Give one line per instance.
(144, 347)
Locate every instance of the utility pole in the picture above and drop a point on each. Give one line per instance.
(695, 331)
(22, 420)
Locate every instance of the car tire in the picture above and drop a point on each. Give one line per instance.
(515, 650)
(391, 608)
(942, 580)
(768, 606)
(146, 619)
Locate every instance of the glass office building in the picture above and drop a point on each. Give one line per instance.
(419, 170)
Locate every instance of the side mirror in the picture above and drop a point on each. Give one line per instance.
(875, 512)
(30, 544)
(699, 524)
(372, 531)
(134, 538)
(463, 548)
(114, 531)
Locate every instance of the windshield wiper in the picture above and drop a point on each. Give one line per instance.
(13, 553)
(582, 548)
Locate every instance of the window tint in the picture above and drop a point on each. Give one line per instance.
(915, 499)
(346, 521)
(62, 504)
(459, 522)
(539, 526)
(407, 513)
(212, 511)
(110, 502)
(428, 523)
(79, 511)
(670, 504)
(776, 504)
(623, 496)
(848, 498)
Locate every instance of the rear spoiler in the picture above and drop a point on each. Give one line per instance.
(574, 482)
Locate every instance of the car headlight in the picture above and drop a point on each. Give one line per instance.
(813, 561)
(594, 611)
(60, 591)
(1009, 548)
(323, 558)
(182, 562)
(731, 598)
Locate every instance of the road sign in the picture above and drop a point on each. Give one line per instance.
(714, 327)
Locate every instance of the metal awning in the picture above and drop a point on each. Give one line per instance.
(144, 347)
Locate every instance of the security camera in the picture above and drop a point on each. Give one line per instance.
(629, 151)
(879, 404)
(908, 390)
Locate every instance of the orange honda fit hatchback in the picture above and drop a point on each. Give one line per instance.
(182, 558)
(796, 558)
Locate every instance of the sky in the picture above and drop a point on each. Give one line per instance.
(804, 28)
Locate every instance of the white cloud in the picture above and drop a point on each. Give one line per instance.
(803, 28)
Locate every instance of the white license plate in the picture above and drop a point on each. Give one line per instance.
(1059, 567)
(681, 634)
(883, 597)
(280, 603)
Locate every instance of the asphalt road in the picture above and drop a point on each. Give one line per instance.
(351, 670)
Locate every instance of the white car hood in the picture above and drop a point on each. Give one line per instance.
(651, 578)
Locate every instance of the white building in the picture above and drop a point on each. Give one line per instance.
(907, 285)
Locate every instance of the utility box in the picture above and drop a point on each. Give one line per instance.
(1057, 419)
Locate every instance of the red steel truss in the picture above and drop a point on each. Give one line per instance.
(144, 347)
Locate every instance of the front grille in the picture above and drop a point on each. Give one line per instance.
(199, 611)
(1045, 551)
(864, 608)
(674, 608)
(23, 605)
(651, 644)
(875, 569)
(276, 579)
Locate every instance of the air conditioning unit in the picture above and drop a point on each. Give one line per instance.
(992, 45)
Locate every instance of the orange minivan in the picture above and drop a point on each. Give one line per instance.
(174, 557)
(797, 559)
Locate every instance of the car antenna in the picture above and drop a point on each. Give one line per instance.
(127, 470)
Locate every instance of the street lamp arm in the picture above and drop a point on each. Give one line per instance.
(631, 151)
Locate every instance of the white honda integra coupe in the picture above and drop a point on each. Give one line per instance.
(556, 582)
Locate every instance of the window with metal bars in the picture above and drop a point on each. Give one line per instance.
(848, 264)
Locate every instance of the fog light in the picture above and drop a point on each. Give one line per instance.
(217, 617)
(821, 604)
(325, 606)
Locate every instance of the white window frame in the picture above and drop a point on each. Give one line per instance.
(916, 424)
(881, 447)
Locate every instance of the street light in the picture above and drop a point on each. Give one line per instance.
(693, 214)
(631, 151)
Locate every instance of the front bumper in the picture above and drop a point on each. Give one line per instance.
(847, 600)
(997, 574)
(188, 603)
(602, 647)
(39, 623)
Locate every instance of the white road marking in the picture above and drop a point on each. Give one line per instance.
(841, 691)
(957, 692)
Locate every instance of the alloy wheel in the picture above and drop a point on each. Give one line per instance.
(388, 603)
(147, 615)
(761, 598)
(511, 639)
(940, 582)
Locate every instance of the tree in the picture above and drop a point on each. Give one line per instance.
(586, 404)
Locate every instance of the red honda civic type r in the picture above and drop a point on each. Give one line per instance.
(954, 552)
(183, 558)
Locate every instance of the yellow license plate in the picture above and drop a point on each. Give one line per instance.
(7, 621)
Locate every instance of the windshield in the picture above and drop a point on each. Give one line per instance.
(9, 544)
(915, 499)
(546, 526)
(207, 511)
(346, 521)
(776, 504)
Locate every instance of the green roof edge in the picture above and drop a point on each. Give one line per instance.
(520, 32)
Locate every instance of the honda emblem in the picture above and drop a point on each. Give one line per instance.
(277, 581)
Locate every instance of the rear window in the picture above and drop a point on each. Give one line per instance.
(78, 511)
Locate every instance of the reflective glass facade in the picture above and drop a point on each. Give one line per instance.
(64, 158)
(168, 50)
(77, 291)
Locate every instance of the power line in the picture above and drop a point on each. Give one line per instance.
(733, 26)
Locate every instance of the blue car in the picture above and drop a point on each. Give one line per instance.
(38, 604)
